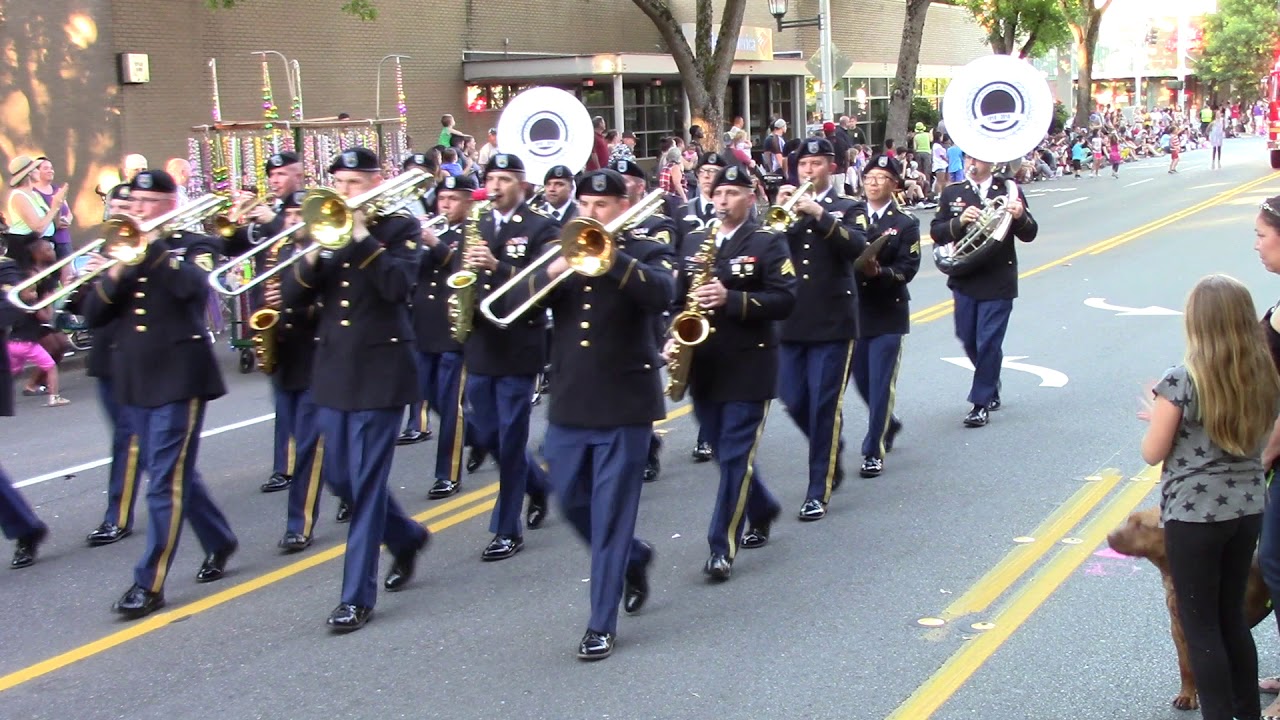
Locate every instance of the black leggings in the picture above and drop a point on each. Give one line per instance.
(1210, 567)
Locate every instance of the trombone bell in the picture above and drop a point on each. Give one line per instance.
(589, 248)
(329, 220)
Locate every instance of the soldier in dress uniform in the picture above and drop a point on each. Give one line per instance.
(424, 206)
(18, 521)
(126, 470)
(983, 297)
(295, 331)
(164, 374)
(659, 228)
(818, 337)
(363, 377)
(419, 427)
(607, 392)
(439, 356)
(734, 373)
(884, 314)
(502, 364)
(557, 191)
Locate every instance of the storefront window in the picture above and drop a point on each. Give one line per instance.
(866, 101)
(652, 113)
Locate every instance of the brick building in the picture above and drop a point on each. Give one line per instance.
(61, 93)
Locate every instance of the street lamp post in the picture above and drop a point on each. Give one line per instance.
(778, 9)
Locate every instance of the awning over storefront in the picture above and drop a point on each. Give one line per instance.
(483, 67)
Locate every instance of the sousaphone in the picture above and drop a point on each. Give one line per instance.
(997, 109)
(545, 127)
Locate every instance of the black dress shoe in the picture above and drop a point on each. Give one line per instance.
(994, 404)
(595, 646)
(294, 542)
(409, 437)
(758, 534)
(871, 467)
(977, 417)
(653, 466)
(348, 618)
(895, 427)
(812, 510)
(138, 602)
(402, 567)
(537, 511)
(443, 489)
(215, 564)
(25, 550)
(718, 567)
(702, 452)
(635, 587)
(838, 479)
(276, 483)
(476, 458)
(344, 512)
(107, 533)
(501, 548)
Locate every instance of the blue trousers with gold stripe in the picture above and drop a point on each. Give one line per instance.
(126, 460)
(811, 383)
(175, 492)
(285, 455)
(597, 474)
(17, 520)
(734, 430)
(358, 449)
(875, 373)
(304, 492)
(981, 325)
(443, 379)
(419, 412)
(500, 409)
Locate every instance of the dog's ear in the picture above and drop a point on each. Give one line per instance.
(1140, 535)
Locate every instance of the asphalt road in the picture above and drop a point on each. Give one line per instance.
(821, 623)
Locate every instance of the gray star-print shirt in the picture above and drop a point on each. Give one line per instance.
(1200, 481)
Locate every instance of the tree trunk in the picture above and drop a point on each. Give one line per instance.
(904, 83)
(1084, 17)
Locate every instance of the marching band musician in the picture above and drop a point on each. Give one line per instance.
(983, 297)
(291, 380)
(607, 394)
(419, 427)
(735, 372)
(502, 364)
(662, 229)
(164, 374)
(122, 482)
(818, 337)
(18, 521)
(557, 191)
(884, 314)
(439, 356)
(363, 377)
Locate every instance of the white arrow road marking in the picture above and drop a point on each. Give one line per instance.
(1139, 182)
(1048, 376)
(1071, 202)
(1122, 311)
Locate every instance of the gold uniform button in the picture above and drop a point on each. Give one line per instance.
(804, 277)
(760, 345)
(806, 246)
(647, 366)
(346, 265)
(142, 279)
(139, 294)
(585, 343)
(395, 339)
(805, 261)
(141, 328)
(586, 288)
(487, 286)
(139, 311)
(345, 303)
(433, 284)
(288, 326)
(431, 297)
(586, 306)
(346, 284)
(345, 323)
(585, 325)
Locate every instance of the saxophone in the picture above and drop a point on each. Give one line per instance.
(264, 320)
(691, 327)
(462, 303)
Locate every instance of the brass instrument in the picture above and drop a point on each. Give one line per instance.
(264, 321)
(588, 246)
(780, 218)
(691, 327)
(436, 223)
(462, 303)
(122, 239)
(981, 237)
(226, 224)
(328, 219)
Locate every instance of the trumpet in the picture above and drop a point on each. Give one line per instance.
(122, 239)
(436, 224)
(587, 244)
(780, 218)
(328, 218)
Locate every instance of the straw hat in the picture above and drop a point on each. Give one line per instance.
(19, 168)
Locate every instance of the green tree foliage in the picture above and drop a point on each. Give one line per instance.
(363, 9)
(1025, 28)
(923, 111)
(1060, 116)
(1084, 17)
(1239, 44)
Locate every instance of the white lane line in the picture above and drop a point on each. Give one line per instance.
(1139, 182)
(1203, 187)
(75, 469)
(1062, 204)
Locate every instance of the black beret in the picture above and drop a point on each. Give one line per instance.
(504, 162)
(558, 172)
(119, 192)
(280, 160)
(732, 175)
(887, 164)
(421, 160)
(154, 181)
(602, 182)
(293, 199)
(816, 146)
(462, 183)
(357, 158)
(627, 167)
(712, 158)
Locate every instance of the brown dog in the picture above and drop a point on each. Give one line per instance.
(1142, 536)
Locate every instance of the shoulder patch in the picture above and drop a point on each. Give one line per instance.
(915, 248)
(411, 244)
(662, 236)
(204, 261)
(539, 211)
(862, 221)
(788, 268)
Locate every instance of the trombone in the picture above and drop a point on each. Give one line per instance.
(588, 246)
(226, 224)
(123, 240)
(781, 217)
(328, 218)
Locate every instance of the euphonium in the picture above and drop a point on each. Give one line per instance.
(691, 327)
(462, 303)
(981, 237)
(264, 320)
